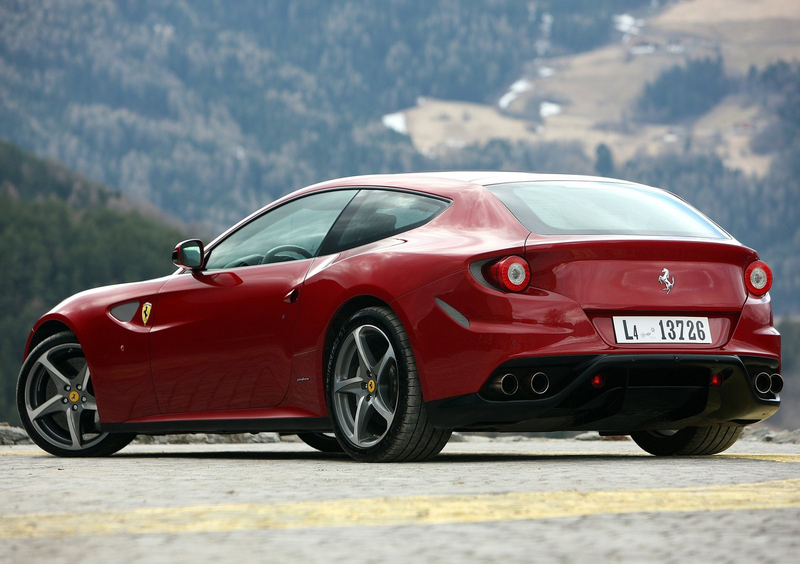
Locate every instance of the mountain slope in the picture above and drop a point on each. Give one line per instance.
(210, 108)
(591, 96)
(62, 234)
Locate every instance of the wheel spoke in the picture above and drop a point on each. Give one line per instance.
(384, 363)
(83, 377)
(54, 372)
(350, 386)
(365, 358)
(89, 405)
(50, 406)
(360, 421)
(74, 424)
(382, 409)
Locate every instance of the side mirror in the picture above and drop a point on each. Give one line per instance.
(189, 254)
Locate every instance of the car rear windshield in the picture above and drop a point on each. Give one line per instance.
(602, 208)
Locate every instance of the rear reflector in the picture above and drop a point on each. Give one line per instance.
(511, 274)
(758, 278)
(716, 380)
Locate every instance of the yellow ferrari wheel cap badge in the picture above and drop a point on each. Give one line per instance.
(146, 312)
(74, 396)
(371, 386)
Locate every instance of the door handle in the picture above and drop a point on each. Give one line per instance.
(291, 297)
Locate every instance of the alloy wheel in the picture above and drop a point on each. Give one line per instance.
(59, 399)
(365, 386)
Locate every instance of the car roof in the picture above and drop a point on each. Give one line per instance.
(449, 183)
(452, 185)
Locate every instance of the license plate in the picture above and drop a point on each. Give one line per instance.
(662, 330)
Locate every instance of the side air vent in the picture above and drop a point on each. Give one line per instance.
(454, 314)
(125, 312)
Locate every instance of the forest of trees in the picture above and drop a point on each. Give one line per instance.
(212, 108)
(684, 91)
(62, 234)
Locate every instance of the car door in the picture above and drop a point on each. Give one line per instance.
(222, 338)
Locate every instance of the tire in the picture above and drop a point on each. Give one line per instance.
(323, 442)
(56, 403)
(374, 394)
(691, 441)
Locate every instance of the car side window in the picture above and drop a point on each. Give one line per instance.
(378, 214)
(292, 231)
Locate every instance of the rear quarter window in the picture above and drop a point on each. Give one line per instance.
(377, 214)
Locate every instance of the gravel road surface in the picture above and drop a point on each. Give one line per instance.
(482, 501)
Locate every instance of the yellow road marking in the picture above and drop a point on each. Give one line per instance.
(414, 510)
(789, 457)
(769, 457)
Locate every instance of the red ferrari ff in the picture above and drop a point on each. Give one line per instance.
(375, 315)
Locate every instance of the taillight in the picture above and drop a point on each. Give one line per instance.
(511, 274)
(758, 278)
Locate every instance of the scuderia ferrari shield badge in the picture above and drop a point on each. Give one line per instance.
(146, 312)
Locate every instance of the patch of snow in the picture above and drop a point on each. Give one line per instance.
(520, 86)
(396, 122)
(626, 23)
(240, 152)
(547, 109)
(506, 99)
(546, 72)
(421, 100)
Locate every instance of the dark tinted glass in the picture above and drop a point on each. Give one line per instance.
(382, 213)
(603, 208)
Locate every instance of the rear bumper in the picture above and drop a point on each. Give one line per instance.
(456, 352)
(641, 392)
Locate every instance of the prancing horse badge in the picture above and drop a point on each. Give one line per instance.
(663, 279)
(146, 312)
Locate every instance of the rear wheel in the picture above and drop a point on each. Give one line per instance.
(374, 394)
(323, 442)
(56, 403)
(691, 441)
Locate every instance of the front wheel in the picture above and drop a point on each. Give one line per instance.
(691, 441)
(56, 403)
(374, 394)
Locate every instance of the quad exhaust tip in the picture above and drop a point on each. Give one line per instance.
(763, 382)
(776, 383)
(539, 383)
(507, 384)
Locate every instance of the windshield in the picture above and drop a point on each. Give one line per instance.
(602, 208)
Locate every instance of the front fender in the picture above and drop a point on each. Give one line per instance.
(117, 350)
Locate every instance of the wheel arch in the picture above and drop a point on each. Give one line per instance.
(44, 330)
(345, 311)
